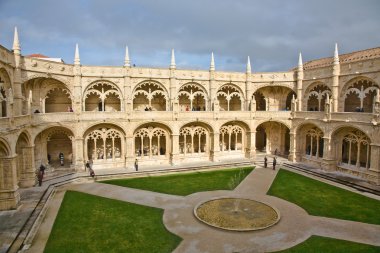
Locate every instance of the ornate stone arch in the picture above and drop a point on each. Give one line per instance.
(315, 96)
(230, 92)
(150, 95)
(360, 92)
(232, 137)
(192, 91)
(102, 95)
(151, 141)
(273, 137)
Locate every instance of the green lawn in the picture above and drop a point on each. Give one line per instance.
(318, 244)
(321, 199)
(186, 183)
(87, 223)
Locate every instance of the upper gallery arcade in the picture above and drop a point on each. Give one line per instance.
(323, 112)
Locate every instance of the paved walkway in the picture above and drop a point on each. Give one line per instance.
(294, 227)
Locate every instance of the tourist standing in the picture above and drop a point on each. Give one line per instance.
(87, 166)
(265, 162)
(274, 163)
(40, 175)
(136, 165)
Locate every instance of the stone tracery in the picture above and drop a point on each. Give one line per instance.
(102, 96)
(230, 98)
(150, 96)
(150, 141)
(192, 97)
(193, 139)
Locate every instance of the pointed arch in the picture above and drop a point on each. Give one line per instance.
(192, 96)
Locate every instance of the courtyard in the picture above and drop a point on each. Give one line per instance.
(156, 214)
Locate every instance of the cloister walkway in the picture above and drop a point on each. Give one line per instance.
(294, 227)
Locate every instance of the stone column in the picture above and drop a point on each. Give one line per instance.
(9, 194)
(173, 90)
(79, 152)
(335, 87)
(215, 148)
(375, 163)
(251, 145)
(293, 153)
(130, 151)
(328, 160)
(174, 156)
(77, 94)
(28, 173)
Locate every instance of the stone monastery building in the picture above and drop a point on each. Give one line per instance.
(324, 112)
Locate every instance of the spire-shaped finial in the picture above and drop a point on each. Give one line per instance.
(172, 61)
(327, 99)
(249, 70)
(76, 57)
(212, 64)
(336, 55)
(16, 43)
(127, 62)
(300, 64)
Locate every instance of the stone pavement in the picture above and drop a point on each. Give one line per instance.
(294, 227)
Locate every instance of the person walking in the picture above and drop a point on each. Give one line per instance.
(61, 158)
(265, 162)
(87, 166)
(40, 175)
(136, 165)
(274, 163)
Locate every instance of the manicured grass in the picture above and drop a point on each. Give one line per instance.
(186, 183)
(321, 199)
(87, 223)
(317, 244)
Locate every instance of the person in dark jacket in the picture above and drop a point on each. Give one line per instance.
(274, 163)
(265, 162)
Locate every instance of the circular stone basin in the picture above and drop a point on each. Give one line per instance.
(236, 214)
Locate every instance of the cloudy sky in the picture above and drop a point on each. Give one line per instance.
(271, 32)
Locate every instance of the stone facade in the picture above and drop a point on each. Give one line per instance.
(114, 115)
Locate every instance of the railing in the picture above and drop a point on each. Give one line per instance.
(352, 116)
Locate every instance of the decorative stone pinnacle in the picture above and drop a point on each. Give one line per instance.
(249, 70)
(127, 62)
(76, 57)
(300, 64)
(172, 61)
(16, 43)
(212, 64)
(336, 55)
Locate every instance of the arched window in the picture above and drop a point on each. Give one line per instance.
(231, 138)
(193, 139)
(102, 96)
(316, 98)
(104, 144)
(356, 149)
(230, 98)
(150, 96)
(314, 143)
(151, 141)
(58, 100)
(359, 96)
(192, 97)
